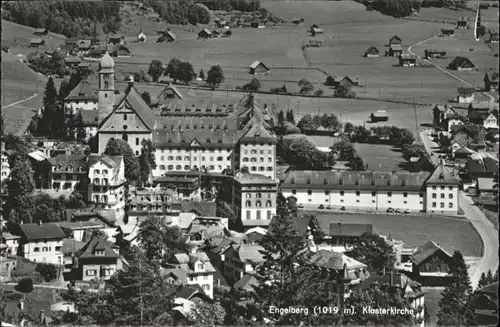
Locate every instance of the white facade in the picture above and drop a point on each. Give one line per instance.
(199, 276)
(44, 251)
(186, 159)
(73, 106)
(375, 200)
(259, 158)
(415, 304)
(465, 98)
(5, 168)
(442, 198)
(491, 122)
(453, 122)
(12, 244)
(107, 185)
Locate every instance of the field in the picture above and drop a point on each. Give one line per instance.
(380, 157)
(451, 233)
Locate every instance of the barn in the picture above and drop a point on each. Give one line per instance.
(141, 37)
(461, 64)
(372, 52)
(433, 53)
(379, 115)
(258, 67)
(205, 34)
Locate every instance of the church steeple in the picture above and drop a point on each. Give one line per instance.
(106, 93)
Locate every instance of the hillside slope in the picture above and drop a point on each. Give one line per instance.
(14, 70)
(16, 35)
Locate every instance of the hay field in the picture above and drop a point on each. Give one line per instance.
(17, 38)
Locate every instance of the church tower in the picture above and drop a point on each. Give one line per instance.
(106, 93)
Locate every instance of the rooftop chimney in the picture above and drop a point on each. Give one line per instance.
(131, 81)
(42, 316)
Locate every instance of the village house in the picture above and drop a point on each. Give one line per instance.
(37, 43)
(121, 51)
(406, 287)
(395, 40)
(315, 30)
(461, 64)
(484, 303)
(255, 199)
(395, 50)
(480, 168)
(371, 52)
(472, 136)
(11, 242)
(141, 37)
(486, 187)
(491, 81)
(169, 93)
(83, 97)
(258, 67)
(465, 94)
(116, 40)
(407, 60)
(186, 187)
(64, 172)
(447, 32)
(71, 42)
(379, 115)
(241, 259)
(431, 264)
(167, 36)
(441, 191)
(83, 46)
(72, 62)
(97, 260)
(442, 112)
(40, 242)
(462, 24)
(491, 121)
(433, 53)
(191, 269)
(41, 32)
(5, 166)
(205, 34)
(345, 81)
(107, 182)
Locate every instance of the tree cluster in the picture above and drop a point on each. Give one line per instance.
(70, 18)
(215, 76)
(253, 85)
(132, 166)
(303, 155)
(487, 279)
(42, 63)
(279, 90)
(313, 122)
(395, 8)
(412, 150)
(147, 161)
(374, 252)
(176, 69)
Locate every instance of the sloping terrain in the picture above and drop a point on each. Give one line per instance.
(18, 36)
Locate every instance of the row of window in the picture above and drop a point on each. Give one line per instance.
(259, 216)
(47, 249)
(255, 151)
(63, 177)
(245, 159)
(256, 144)
(257, 195)
(97, 181)
(178, 158)
(261, 168)
(441, 205)
(373, 201)
(105, 272)
(258, 203)
(434, 187)
(188, 167)
(450, 196)
(97, 171)
(358, 193)
(195, 150)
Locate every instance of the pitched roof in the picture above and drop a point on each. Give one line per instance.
(395, 279)
(342, 229)
(64, 162)
(47, 231)
(395, 38)
(97, 243)
(71, 245)
(396, 47)
(441, 175)
(170, 89)
(371, 49)
(207, 209)
(206, 31)
(490, 289)
(253, 179)
(427, 250)
(249, 252)
(485, 184)
(327, 259)
(85, 90)
(110, 161)
(485, 165)
(461, 62)
(256, 130)
(187, 138)
(247, 283)
(37, 41)
(187, 292)
(492, 76)
(257, 63)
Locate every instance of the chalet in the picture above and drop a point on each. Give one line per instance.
(167, 36)
(36, 43)
(462, 24)
(431, 263)
(71, 42)
(115, 40)
(461, 64)
(97, 260)
(258, 67)
(315, 29)
(447, 32)
(491, 121)
(491, 80)
(371, 52)
(315, 43)
(485, 187)
(141, 37)
(298, 21)
(379, 115)
(433, 53)
(346, 81)
(481, 168)
(493, 37)
(395, 50)
(484, 302)
(407, 60)
(241, 259)
(84, 45)
(41, 32)
(465, 94)
(442, 112)
(205, 34)
(72, 61)
(168, 93)
(121, 51)
(395, 40)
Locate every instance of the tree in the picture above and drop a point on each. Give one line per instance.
(160, 240)
(122, 148)
(403, 136)
(90, 307)
(373, 250)
(253, 85)
(344, 91)
(155, 69)
(306, 123)
(412, 150)
(489, 277)
(71, 125)
(360, 134)
(173, 68)
(331, 122)
(19, 204)
(50, 95)
(341, 145)
(303, 154)
(146, 97)
(290, 117)
(454, 309)
(185, 72)
(330, 81)
(348, 128)
(305, 86)
(207, 314)
(318, 92)
(147, 160)
(215, 76)
(47, 271)
(483, 281)
(281, 118)
(64, 90)
(81, 133)
(25, 285)
(201, 75)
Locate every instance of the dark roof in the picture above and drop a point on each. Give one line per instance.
(427, 250)
(121, 47)
(97, 243)
(461, 62)
(71, 246)
(207, 209)
(327, 259)
(371, 49)
(395, 279)
(247, 283)
(441, 175)
(47, 231)
(342, 229)
(490, 289)
(395, 38)
(486, 165)
(187, 138)
(85, 90)
(64, 162)
(470, 90)
(187, 292)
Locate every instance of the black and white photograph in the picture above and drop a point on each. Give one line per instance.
(249, 163)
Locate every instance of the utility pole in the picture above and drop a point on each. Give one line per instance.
(416, 119)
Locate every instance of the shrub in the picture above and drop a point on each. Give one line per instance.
(47, 271)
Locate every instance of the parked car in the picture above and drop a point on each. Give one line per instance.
(342, 208)
(397, 211)
(321, 206)
(301, 206)
(407, 211)
(328, 208)
(390, 210)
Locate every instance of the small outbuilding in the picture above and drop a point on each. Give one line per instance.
(258, 67)
(315, 30)
(121, 51)
(447, 32)
(41, 32)
(461, 64)
(167, 36)
(205, 34)
(407, 60)
(36, 43)
(462, 24)
(379, 116)
(395, 40)
(72, 61)
(395, 50)
(141, 37)
(433, 53)
(372, 52)
(493, 37)
(115, 40)
(491, 81)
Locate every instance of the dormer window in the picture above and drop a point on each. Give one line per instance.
(202, 126)
(218, 127)
(441, 176)
(293, 181)
(99, 253)
(373, 182)
(201, 266)
(70, 168)
(403, 183)
(209, 141)
(195, 126)
(219, 141)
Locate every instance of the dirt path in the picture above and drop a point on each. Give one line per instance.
(20, 101)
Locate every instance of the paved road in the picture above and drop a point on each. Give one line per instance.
(429, 144)
(442, 69)
(489, 235)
